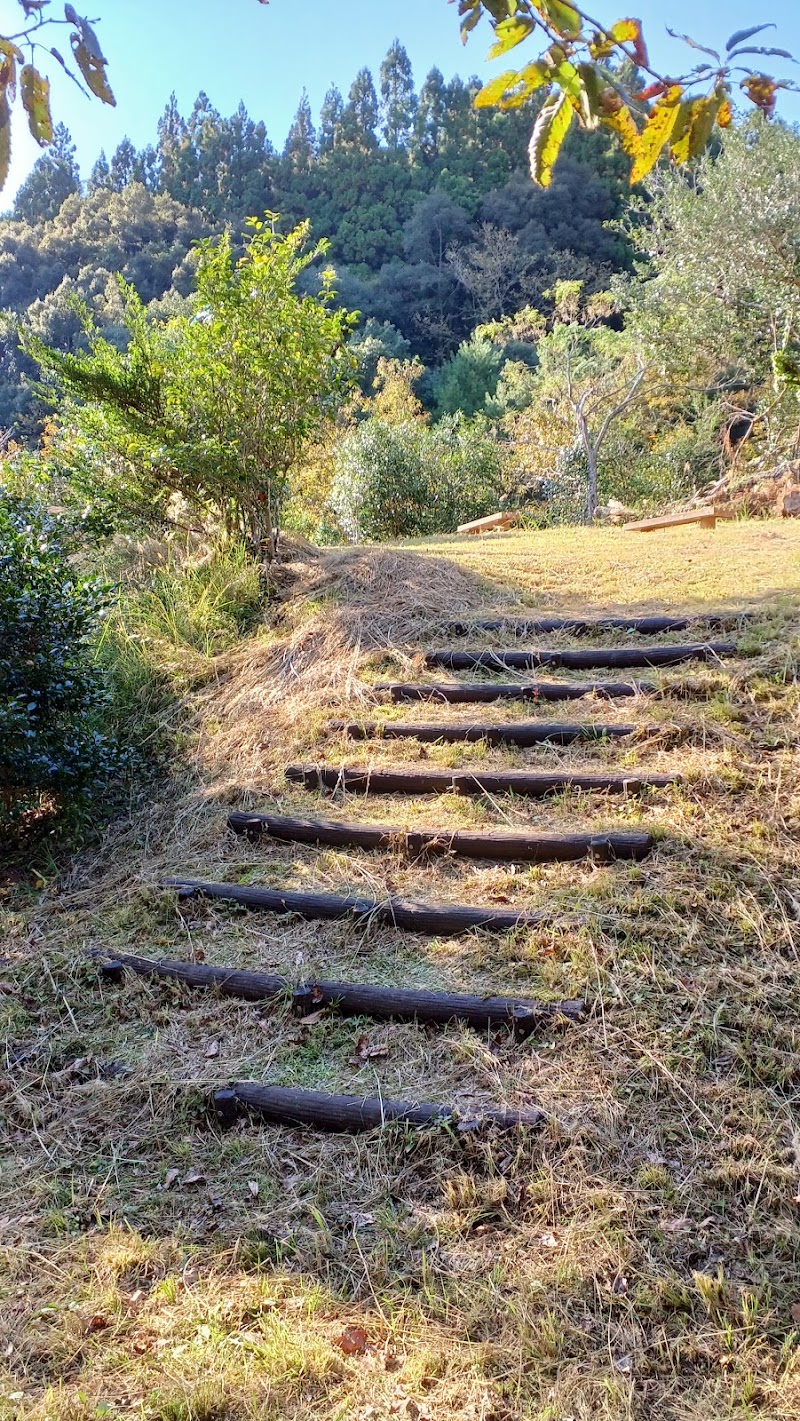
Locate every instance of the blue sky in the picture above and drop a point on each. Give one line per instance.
(267, 54)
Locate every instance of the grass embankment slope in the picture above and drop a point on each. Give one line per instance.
(636, 1259)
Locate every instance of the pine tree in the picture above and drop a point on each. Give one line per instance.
(330, 121)
(430, 126)
(123, 163)
(360, 117)
(398, 100)
(53, 178)
(100, 176)
(301, 144)
(172, 139)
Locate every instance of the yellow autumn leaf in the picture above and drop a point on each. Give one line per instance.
(93, 70)
(656, 133)
(622, 121)
(35, 91)
(549, 133)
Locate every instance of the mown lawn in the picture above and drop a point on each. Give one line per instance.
(638, 1258)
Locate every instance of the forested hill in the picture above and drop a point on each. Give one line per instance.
(434, 223)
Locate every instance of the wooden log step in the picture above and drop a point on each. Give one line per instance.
(584, 659)
(588, 626)
(431, 781)
(706, 517)
(483, 692)
(284, 1105)
(356, 999)
(440, 919)
(511, 733)
(527, 847)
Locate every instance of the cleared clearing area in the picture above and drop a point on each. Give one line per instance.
(637, 1258)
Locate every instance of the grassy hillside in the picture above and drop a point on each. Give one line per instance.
(637, 1258)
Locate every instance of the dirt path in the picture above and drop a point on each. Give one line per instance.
(634, 1258)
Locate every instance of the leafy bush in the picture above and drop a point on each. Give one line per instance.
(406, 480)
(53, 697)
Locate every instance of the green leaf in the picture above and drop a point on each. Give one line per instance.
(513, 89)
(5, 137)
(563, 17)
(35, 90)
(509, 34)
(742, 35)
(493, 92)
(550, 130)
(657, 132)
(568, 79)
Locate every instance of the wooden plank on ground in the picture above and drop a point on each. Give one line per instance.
(529, 783)
(524, 846)
(484, 692)
(706, 517)
(493, 520)
(616, 657)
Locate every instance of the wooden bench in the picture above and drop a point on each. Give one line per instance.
(485, 525)
(706, 517)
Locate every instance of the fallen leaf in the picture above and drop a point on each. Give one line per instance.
(252, 1185)
(212, 1049)
(363, 1221)
(796, 1312)
(366, 1052)
(312, 1019)
(548, 1240)
(353, 1341)
(171, 1178)
(619, 1285)
(98, 1323)
(675, 1226)
(194, 1178)
(624, 1364)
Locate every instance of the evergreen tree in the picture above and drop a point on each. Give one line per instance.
(100, 176)
(53, 178)
(301, 144)
(123, 163)
(398, 100)
(360, 117)
(330, 121)
(431, 119)
(173, 138)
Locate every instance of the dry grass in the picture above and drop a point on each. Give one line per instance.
(636, 1260)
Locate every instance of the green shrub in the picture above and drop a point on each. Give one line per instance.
(407, 480)
(53, 696)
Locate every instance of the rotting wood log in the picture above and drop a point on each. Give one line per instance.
(283, 1105)
(588, 626)
(230, 981)
(511, 733)
(356, 999)
(484, 692)
(618, 657)
(527, 846)
(532, 784)
(438, 919)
